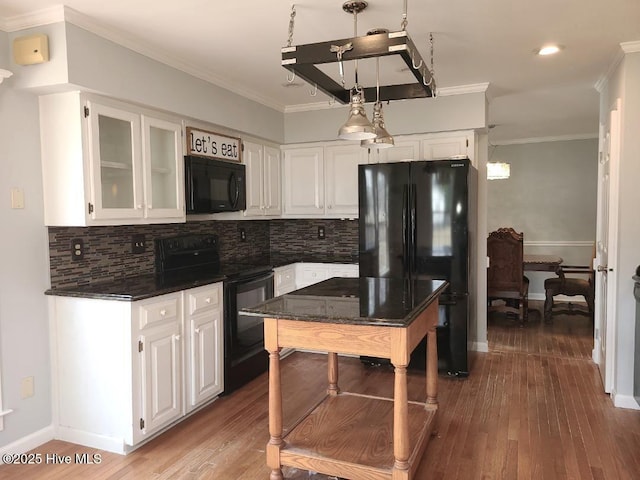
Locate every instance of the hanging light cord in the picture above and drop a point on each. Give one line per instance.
(377, 79)
(355, 35)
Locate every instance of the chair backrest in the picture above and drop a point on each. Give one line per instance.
(506, 270)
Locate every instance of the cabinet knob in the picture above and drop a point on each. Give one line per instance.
(197, 330)
(330, 206)
(176, 337)
(207, 300)
(163, 312)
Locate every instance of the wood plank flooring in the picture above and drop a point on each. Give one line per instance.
(532, 408)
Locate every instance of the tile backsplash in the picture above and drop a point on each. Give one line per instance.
(108, 256)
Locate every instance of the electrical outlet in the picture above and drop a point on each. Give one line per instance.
(243, 235)
(321, 233)
(77, 249)
(138, 243)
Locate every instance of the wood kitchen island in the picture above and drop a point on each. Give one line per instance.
(346, 434)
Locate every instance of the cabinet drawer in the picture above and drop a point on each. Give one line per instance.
(159, 311)
(207, 298)
(285, 277)
(309, 276)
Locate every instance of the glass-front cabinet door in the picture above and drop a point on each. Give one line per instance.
(163, 165)
(115, 153)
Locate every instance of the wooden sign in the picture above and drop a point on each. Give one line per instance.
(214, 145)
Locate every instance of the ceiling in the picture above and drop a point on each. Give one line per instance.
(236, 44)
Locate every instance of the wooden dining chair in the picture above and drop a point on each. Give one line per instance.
(505, 275)
(570, 286)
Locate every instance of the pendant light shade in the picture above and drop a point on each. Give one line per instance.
(382, 139)
(357, 126)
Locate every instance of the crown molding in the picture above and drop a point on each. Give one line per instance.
(38, 18)
(463, 89)
(625, 48)
(630, 47)
(559, 138)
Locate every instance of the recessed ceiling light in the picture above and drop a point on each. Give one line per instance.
(548, 50)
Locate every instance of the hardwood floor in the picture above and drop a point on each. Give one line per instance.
(532, 408)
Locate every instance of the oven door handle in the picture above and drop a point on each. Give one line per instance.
(258, 277)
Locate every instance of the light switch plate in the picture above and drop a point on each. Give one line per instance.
(26, 387)
(17, 198)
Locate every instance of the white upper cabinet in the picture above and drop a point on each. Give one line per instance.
(322, 181)
(402, 151)
(341, 178)
(264, 192)
(273, 181)
(163, 168)
(303, 181)
(108, 163)
(452, 144)
(116, 164)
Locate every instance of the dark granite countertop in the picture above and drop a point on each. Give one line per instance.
(138, 287)
(362, 301)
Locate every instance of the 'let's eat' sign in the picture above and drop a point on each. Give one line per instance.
(214, 145)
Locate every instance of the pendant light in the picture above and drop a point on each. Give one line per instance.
(382, 138)
(357, 126)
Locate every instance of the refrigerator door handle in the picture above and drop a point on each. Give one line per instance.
(405, 228)
(412, 228)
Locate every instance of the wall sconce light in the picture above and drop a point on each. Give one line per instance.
(498, 170)
(4, 74)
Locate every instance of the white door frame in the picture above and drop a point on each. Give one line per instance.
(604, 353)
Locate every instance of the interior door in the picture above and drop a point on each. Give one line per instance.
(606, 240)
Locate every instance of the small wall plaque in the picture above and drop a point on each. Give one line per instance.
(214, 145)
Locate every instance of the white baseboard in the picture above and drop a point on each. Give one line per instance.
(92, 440)
(625, 401)
(479, 347)
(29, 442)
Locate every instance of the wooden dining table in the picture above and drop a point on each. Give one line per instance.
(541, 263)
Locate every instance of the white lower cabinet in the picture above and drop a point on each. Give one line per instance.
(157, 325)
(302, 274)
(203, 322)
(284, 280)
(310, 273)
(123, 371)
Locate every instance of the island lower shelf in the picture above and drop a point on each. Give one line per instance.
(351, 436)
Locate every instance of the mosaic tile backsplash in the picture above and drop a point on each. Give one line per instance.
(108, 249)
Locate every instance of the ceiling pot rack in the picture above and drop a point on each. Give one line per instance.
(301, 60)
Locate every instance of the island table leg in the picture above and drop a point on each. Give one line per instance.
(275, 400)
(432, 367)
(332, 374)
(400, 424)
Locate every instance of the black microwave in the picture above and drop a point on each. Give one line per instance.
(213, 186)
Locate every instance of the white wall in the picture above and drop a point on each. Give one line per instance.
(454, 112)
(623, 84)
(82, 60)
(24, 337)
(550, 197)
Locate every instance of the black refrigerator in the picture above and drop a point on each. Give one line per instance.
(417, 220)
